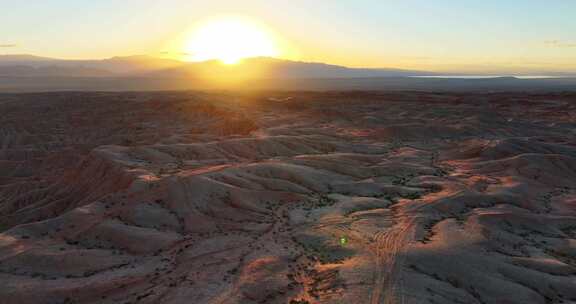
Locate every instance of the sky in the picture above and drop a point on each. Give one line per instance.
(442, 35)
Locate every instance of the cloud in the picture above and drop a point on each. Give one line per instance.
(7, 45)
(560, 43)
(176, 53)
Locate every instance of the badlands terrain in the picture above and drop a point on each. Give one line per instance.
(288, 198)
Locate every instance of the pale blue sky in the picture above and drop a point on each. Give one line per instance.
(439, 34)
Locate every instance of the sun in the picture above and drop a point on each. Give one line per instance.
(230, 39)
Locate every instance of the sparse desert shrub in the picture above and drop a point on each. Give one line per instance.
(412, 196)
(299, 302)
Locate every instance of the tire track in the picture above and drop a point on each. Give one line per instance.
(388, 244)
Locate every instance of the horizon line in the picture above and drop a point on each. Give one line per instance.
(454, 71)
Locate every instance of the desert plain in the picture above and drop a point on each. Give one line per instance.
(288, 197)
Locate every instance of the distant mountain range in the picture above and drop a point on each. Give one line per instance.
(29, 65)
(27, 73)
(147, 66)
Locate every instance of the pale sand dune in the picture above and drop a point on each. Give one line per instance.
(190, 197)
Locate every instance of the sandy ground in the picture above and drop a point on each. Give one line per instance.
(222, 198)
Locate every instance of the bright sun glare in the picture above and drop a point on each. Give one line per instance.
(230, 40)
